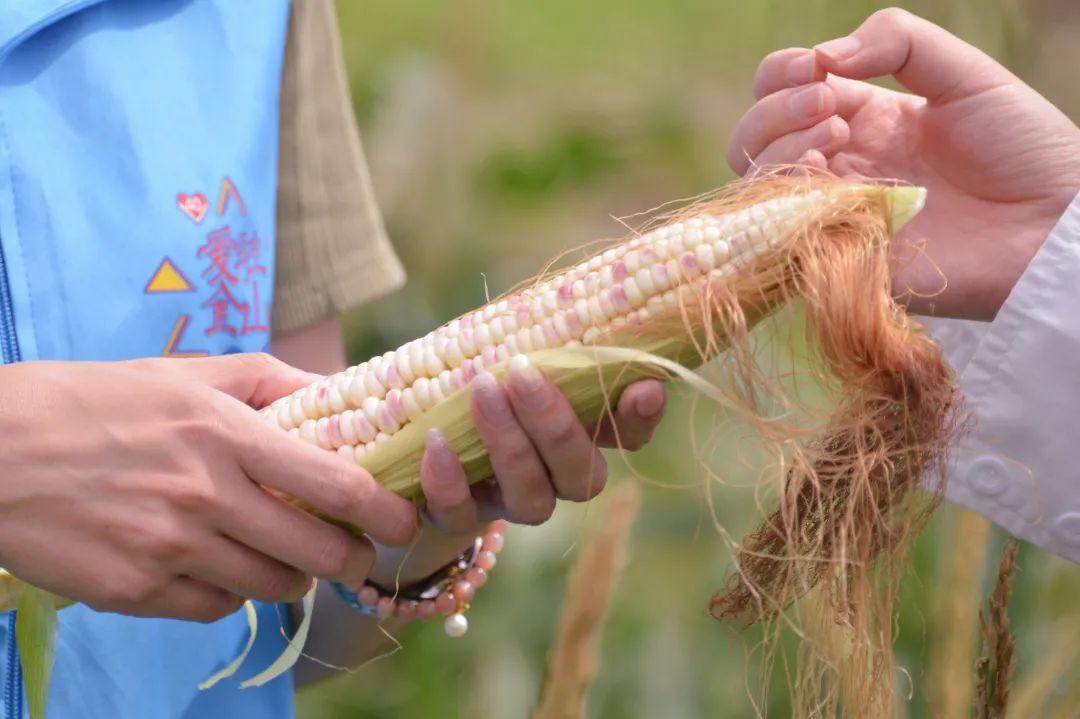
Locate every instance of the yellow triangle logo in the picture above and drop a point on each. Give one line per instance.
(168, 278)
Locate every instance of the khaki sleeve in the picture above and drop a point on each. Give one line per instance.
(332, 250)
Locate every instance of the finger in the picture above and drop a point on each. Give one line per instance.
(577, 470)
(248, 573)
(523, 479)
(182, 598)
(269, 525)
(324, 481)
(786, 68)
(777, 115)
(450, 503)
(813, 158)
(827, 138)
(923, 57)
(197, 601)
(636, 416)
(254, 378)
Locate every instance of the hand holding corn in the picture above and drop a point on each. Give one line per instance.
(1000, 162)
(138, 487)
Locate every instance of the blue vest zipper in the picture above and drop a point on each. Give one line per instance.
(13, 685)
(9, 352)
(9, 346)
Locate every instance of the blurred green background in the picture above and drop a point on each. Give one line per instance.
(501, 133)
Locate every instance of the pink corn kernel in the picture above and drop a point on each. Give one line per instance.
(334, 430)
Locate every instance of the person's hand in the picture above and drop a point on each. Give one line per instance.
(145, 488)
(1000, 162)
(540, 452)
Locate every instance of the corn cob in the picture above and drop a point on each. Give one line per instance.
(650, 293)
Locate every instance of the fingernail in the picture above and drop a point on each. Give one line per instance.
(839, 49)
(649, 404)
(809, 101)
(491, 400)
(801, 70)
(527, 382)
(435, 440)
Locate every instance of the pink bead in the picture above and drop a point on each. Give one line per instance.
(427, 610)
(463, 591)
(368, 596)
(407, 610)
(499, 525)
(476, 576)
(486, 560)
(493, 541)
(385, 608)
(445, 603)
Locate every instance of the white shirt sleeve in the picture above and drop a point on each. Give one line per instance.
(1019, 464)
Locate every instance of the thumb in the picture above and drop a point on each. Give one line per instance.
(255, 378)
(926, 59)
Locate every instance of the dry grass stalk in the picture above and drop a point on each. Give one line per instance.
(996, 664)
(954, 639)
(573, 660)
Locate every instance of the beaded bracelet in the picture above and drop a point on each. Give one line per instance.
(447, 591)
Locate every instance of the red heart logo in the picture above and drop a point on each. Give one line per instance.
(194, 206)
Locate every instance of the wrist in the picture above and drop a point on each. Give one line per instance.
(433, 549)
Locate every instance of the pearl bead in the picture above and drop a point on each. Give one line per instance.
(456, 625)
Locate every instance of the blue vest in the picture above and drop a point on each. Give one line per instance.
(138, 160)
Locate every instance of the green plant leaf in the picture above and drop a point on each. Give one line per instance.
(35, 631)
